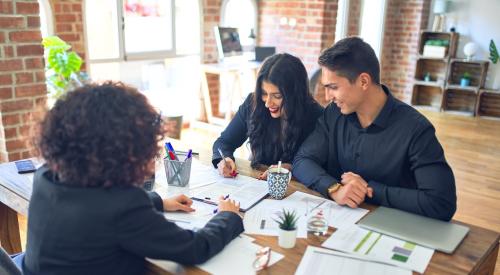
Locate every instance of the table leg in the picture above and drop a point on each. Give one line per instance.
(10, 238)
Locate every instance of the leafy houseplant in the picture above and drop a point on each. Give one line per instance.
(493, 52)
(465, 80)
(62, 69)
(287, 221)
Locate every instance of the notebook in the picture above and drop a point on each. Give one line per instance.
(436, 234)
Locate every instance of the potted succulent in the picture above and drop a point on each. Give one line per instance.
(427, 77)
(465, 80)
(287, 221)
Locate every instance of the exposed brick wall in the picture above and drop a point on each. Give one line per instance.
(68, 24)
(211, 18)
(404, 21)
(353, 24)
(22, 79)
(315, 28)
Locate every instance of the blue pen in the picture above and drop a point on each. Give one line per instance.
(171, 149)
(217, 209)
(189, 154)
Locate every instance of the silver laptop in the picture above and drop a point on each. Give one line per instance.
(436, 234)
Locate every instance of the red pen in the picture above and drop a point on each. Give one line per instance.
(171, 154)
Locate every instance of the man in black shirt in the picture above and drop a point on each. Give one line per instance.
(369, 146)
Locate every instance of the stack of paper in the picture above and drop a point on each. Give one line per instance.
(378, 247)
(193, 220)
(323, 261)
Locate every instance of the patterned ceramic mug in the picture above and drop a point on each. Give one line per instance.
(277, 182)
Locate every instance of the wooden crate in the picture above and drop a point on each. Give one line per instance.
(488, 103)
(460, 100)
(436, 67)
(429, 96)
(477, 69)
(452, 38)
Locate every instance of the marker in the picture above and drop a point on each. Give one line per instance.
(233, 173)
(189, 154)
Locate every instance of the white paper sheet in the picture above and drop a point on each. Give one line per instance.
(237, 258)
(260, 219)
(193, 220)
(339, 216)
(323, 261)
(375, 246)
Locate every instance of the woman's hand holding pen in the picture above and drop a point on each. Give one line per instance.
(178, 203)
(228, 205)
(227, 168)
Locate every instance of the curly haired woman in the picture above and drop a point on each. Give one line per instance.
(88, 213)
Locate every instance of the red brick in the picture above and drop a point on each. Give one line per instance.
(70, 37)
(31, 90)
(65, 18)
(2, 37)
(26, 131)
(15, 156)
(27, 8)
(77, 7)
(25, 36)
(23, 78)
(15, 145)
(34, 63)
(33, 21)
(63, 28)
(11, 22)
(11, 119)
(6, 7)
(10, 133)
(6, 93)
(11, 65)
(40, 76)
(5, 79)
(8, 51)
(28, 154)
(30, 50)
(16, 105)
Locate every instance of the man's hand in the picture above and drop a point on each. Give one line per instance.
(263, 176)
(178, 203)
(228, 205)
(353, 191)
(227, 169)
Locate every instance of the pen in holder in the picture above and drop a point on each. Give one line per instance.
(178, 171)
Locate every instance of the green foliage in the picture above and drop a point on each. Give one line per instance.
(287, 220)
(62, 69)
(437, 42)
(466, 75)
(493, 52)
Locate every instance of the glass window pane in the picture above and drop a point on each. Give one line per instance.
(372, 23)
(102, 29)
(187, 26)
(240, 14)
(148, 25)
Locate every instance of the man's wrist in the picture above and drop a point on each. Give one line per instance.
(333, 189)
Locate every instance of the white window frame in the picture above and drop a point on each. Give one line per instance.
(380, 43)
(123, 55)
(255, 23)
(342, 26)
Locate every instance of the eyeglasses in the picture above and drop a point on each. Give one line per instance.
(262, 258)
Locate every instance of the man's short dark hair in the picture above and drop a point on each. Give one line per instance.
(349, 58)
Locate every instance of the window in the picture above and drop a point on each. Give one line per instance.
(46, 24)
(241, 14)
(153, 45)
(372, 23)
(342, 25)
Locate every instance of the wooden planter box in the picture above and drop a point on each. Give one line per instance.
(459, 100)
(436, 67)
(488, 103)
(477, 69)
(427, 96)
(452, 38)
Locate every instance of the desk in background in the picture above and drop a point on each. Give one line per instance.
(233, 71)
(477, 254)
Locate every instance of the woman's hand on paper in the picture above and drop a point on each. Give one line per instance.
(228, 205)
(178, 203)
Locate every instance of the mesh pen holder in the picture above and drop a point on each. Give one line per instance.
(178, 171)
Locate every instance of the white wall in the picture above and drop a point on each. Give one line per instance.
(477, 21)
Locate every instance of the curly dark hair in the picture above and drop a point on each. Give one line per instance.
(101, 135)
(286, 72)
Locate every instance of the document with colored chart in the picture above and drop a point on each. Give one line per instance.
(381, 248)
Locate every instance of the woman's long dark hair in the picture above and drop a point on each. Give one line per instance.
(290, 76)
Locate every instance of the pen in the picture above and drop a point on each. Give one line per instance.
(189, 154)
(217, 209)
(171, 148)
(234, 173)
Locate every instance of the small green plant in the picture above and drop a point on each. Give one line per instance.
(287, 220)
(466, 75)
(62, 69)
(493, 52)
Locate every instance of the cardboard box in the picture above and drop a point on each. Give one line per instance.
(434, 51)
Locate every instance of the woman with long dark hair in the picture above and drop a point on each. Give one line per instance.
(88, 212)
(276, 118)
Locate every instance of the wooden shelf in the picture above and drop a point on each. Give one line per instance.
(463, 88)
(437, 68)
(476, 68)
(428, 83)
(488, 103)
(451, 37)
(459, 100)
(430, 96)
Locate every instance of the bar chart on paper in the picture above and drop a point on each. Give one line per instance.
(382, 248)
